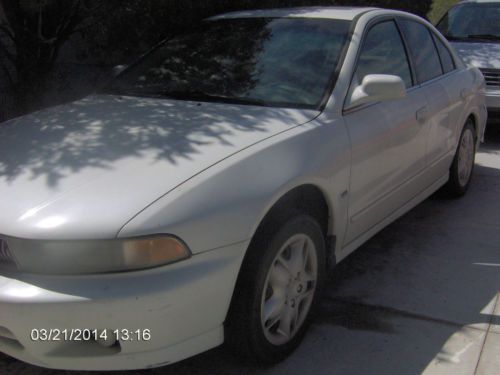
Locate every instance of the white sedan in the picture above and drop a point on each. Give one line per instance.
(201, 195)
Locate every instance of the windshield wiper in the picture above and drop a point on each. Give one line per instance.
(484, 36)
(184, 95)
(204, 96)
(123, 92)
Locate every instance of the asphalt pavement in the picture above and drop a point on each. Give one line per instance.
(423, 296)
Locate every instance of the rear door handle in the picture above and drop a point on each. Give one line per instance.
(422, 114)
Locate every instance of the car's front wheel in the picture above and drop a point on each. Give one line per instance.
(277, 291)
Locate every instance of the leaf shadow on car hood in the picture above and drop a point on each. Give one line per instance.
(104, 158)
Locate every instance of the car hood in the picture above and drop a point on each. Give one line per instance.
(82, 170)
(480, 55)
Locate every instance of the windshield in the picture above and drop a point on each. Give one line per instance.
(285, 62)
(472, 22)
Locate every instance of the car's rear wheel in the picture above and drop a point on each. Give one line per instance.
(463, 163)
(276, 291)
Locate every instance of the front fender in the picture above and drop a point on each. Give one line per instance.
(225, 203)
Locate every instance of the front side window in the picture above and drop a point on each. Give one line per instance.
(472, 22)
(262, 61)
(422, 50)
(383, 52)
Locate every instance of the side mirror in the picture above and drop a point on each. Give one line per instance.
(118, 69)
(378, 87)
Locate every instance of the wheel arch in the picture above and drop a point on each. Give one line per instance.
(307, 199)
(474, 118)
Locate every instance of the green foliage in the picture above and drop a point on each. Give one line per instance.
(439, 8)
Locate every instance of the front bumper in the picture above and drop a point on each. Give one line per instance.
(183, 305)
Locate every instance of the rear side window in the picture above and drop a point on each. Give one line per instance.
(383, 52)
(422, 50)
(445, 55)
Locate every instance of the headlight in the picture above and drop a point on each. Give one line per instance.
(105, 256)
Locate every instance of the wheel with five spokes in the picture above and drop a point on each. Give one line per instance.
(277, 291)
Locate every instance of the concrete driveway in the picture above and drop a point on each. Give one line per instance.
(421, 297)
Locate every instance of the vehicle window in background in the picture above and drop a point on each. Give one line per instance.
(271, 61)
(383, 52)
(422, 50)
(472, 21)
(445, 55)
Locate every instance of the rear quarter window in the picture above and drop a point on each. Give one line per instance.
(445, 55)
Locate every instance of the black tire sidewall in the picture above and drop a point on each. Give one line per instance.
(263, 252)
(456, 188)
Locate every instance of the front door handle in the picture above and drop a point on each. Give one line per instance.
(422, 114)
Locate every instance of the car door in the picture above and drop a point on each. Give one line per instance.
(440, 89)
(388, 141)
(458, 84)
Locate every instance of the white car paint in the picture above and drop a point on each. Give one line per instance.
(372, 164)
(187, 138)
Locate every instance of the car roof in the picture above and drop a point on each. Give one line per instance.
(340, 13)
(478, 1)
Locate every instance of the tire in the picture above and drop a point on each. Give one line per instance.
(462, 168)
(269, 298)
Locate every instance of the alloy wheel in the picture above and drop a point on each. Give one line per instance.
(465, 157)
(289, 289)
